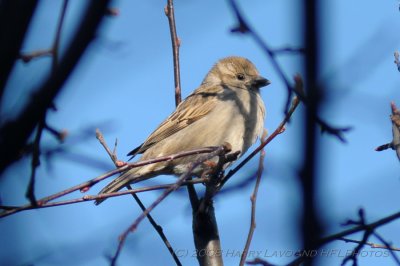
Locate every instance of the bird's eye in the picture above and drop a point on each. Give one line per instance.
(240, 76)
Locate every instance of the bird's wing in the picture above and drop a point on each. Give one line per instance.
(193, 108)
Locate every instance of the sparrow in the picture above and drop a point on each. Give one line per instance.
(226, 108)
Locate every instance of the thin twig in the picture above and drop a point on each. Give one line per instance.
(356, 229)
(169, 12)
(397, 59)
(112, 154)
(388, 247)
(277, 131)
(204, 223)
(35, 162)
(30, 193)
(395, 143)
(158, 228)
(253, 199)
(57, 38)
(367, 233)
(8, 210)
(293, 50)
(14, 134)
(244, 27)
(85, 186)
(27, 57)
(168, 191)
(371, 244)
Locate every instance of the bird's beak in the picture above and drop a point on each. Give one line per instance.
(260, 82)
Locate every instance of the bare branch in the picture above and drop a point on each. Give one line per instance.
(157, 227)
(14, 134)
(277, 131)
(27, 57)
(253, 199)
(112, 154)
(205, 227)
(359, 228)
(30, 193)
(85, 186)
(168, 191)
(9, 210)
(387, 246)
(395, 143)
(372, 245)
(169, 12)
(397, 59)
(15, 17)
(244, 27)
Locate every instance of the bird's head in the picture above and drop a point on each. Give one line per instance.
(236, 72)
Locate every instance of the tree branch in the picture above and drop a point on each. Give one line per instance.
(14, 134)
(168, 191)
(253, 199)
(169, 12)
(244, 28)
(158, 228)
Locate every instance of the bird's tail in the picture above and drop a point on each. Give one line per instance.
(123, 180)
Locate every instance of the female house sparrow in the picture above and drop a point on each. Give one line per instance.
(227, 107)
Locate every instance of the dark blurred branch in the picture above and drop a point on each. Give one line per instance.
(372, 245)
(35, 162)
(30, 193)
(311, 224)
(244, 28)
(358, 228)
(15, 17)
(364, 242)
(14, 134)
(366, 234)
(57, 38)
(387, 246)
(277, 131)
(292, 50)
(182, 178)
(253, 199)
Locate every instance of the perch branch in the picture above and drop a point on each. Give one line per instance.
(168, 191)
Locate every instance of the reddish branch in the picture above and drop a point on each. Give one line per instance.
(182, 178)
(372, 245)
(397, 59)
(85, 186)
(395, 143)
(158, 228)
(27, 57)
(253, 199)
(42, 203)
(277, 131)
(280, 129)
(169, 12)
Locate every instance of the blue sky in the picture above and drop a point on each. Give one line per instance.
(124, 86)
